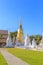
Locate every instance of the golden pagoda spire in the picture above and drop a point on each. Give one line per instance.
(20, 24)
(20, 32)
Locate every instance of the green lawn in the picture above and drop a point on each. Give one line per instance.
(29, 56)
(2, 60)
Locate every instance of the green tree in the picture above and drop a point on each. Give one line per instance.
(13, 34)
(38, 38)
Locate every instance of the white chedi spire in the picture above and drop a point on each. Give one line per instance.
(41, 43)
(34, 45)
(13, 39)
(27, 41)
(9, 41)
(17, 43)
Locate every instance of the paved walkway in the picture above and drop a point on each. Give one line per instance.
(11, 59)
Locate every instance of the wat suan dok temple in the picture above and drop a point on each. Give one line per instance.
(3, 37)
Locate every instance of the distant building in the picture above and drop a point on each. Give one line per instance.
(3, 37)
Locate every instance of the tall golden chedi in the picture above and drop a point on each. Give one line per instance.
(20, 35)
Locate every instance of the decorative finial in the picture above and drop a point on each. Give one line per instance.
(20, 25)
(20, 21)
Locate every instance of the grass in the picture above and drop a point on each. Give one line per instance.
(29, 56)
(2, 60)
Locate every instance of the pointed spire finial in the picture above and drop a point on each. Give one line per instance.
(20, 21)
(20, 25)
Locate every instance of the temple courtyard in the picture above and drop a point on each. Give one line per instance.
(19, 50)
(18, 56)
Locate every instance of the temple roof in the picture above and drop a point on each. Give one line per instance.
(3, 31)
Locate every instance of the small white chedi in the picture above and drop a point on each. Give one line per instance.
(17, 42)
(14, 41)
(34, 45)
(9, 41)
(27, 41)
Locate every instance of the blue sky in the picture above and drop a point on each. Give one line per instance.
(30, 11)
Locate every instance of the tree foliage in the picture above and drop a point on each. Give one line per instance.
(13, 34)
(38, 38)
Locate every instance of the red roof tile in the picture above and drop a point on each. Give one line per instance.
(3, 31)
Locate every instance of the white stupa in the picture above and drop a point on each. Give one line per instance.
(17, 44)
(27, 41)
(9, 41)
(14, 41)
(34, 45)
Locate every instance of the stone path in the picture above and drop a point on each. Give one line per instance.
(11, 59)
